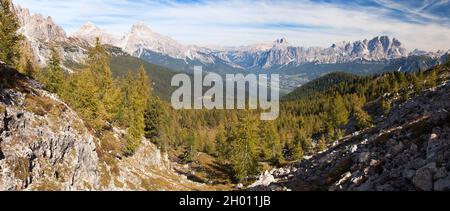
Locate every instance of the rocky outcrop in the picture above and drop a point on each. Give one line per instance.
(44, 145)
(408, 151)
(42, 33)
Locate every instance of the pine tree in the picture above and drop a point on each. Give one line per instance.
(27, 63)
(192, 147)
(82, 95)
(272, 149)
(222, 147)
(302, 139)
(364, 120)
(322, 145)
(243, 156)
(55, 73)
(143, 83)
(386, 106)
(108, 94)
(153, 118)
(132, 112)
(9, 37)
(432, 79)
(339, 112)
(297, 151)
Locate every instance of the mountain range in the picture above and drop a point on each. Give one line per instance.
(379, 54)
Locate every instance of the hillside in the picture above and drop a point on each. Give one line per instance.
(320, 84)
(45, 145)
(405, 150)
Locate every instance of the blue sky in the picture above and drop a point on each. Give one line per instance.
(423, 24)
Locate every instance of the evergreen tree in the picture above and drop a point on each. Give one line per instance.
(98, 63)
(272, 149)
(132, 112)
(339, 112)
(192, 147)
(364, 120)
(143, 83)
(222, 147)
(322, 144)
(55, 73)
(82, 95)
(243, 156)
(297, 151)
(302, 139)
(9, 37)
(153, 118)
(432, 79)
(27, 63)
(386, 105)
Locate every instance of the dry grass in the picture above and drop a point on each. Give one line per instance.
(2, 109)
(39, 105)
(21, 168)
(47, 186)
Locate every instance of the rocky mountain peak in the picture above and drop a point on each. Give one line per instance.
(37, 26)
(141, 38)
(281, 43)
(140, 27)
(89, 32)
(88, 26)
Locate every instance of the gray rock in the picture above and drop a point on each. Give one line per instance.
(397, 148)
(440, 173)
(264, 180)
(353, 148)
(423, 179)
(409, 174)
(414, 147)
(442, 184)
(364, 157)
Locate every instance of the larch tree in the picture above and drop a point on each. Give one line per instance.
(10, 39)
(153, 118)
(222, 147)
(27, 63)
(243, 155)
(98, 62)
(272, 148)
(55, 73)
(339, 112)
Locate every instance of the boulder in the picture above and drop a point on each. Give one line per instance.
(423, 179)
(442, 184)
(264, 180)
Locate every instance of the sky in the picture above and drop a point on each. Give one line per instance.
(422, 24)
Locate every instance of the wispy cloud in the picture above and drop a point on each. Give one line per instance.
(420, 24)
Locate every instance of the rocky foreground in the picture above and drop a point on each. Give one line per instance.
(408, 151)
(44, 145)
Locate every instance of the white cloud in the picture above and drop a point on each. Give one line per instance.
(243, 22)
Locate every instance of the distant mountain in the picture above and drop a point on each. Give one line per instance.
(364, 57)
(283, 54)
(43, 34)
(89, 32)
(359, 57)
